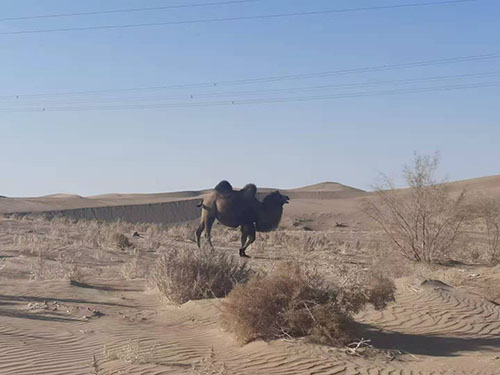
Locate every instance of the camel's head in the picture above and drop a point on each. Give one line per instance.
(276, 198)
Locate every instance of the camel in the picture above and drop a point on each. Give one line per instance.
(240, 208)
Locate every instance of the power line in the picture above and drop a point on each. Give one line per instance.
(268, 79)
(240, 18)
(130, 10)
(268, 91)
(261, 101)
(375, 93)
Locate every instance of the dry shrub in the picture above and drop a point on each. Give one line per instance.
(183, 274)
(293, 302)
(424, 222)
(121, 241)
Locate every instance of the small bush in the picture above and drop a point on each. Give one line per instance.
(121, 241)
(187, 274)
(296, 303)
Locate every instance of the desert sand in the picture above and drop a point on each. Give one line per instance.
(445, 320)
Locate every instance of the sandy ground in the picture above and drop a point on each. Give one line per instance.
(114, 323)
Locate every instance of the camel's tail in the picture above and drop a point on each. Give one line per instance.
(202, 205)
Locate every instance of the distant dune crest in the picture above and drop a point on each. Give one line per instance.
(301, 198)
(327, 186)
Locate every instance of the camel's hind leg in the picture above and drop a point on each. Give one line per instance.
(247, 232)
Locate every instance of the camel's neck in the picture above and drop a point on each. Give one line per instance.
(269, 218)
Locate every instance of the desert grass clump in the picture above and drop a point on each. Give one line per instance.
(133, 269)
(295, 302)
(72, 271)
(183, 274)
(133, 352)
(155, 237)
(209, 366)
(63, 267)
(42, 268)
(183, 232)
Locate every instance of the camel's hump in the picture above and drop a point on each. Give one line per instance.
(223, 187)
(249, 190)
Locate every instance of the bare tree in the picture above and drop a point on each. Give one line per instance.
(424, 221)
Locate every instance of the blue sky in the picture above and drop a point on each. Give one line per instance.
(289, 144)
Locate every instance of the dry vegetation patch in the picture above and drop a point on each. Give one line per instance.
(487, 214)
(121, 241)
(296, 302)
(133, 352)
(209, 366)
(183, 274)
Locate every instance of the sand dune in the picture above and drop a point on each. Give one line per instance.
(489, 186)
(327, 190)
(324, 204)
(63, 196)
(327, 186)
(176, 207)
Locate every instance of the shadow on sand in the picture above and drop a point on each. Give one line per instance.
(10, 300)
(103, 287)
(47, 316)
(430, 345)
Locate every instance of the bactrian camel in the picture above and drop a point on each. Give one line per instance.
(240, 208)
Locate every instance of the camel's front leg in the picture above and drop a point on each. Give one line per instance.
(199, 231)
(208, 230)
(244, 237)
